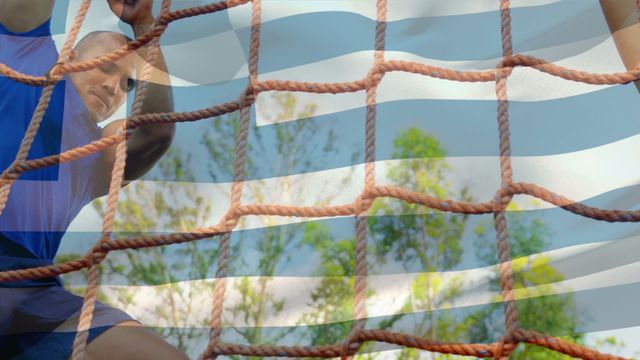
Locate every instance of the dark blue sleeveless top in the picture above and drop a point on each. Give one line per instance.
(42, 203)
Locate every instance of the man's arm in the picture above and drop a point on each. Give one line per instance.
(146, 144)
(622, 18)
(24, 15)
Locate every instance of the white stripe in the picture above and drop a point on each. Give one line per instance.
(525, 84)
(101, 18)
(578, 176)
(193, 299)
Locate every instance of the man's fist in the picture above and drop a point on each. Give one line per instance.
(132, 12)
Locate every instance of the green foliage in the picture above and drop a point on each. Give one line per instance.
(528, 236)
(275, 247)
(406, 233)
(180, 207)
(612, 345)
(411, 234)
(541, 306)
(145, 208)
(332, 299)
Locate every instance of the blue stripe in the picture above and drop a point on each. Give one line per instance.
(463, 128)
(324, 35)
(476, 35)
(59, 16)
(310, 37)
(565, 229)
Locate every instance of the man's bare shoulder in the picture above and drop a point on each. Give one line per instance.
(22, 16)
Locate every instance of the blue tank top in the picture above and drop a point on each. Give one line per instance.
(42, 203)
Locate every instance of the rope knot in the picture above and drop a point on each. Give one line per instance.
(232, 3)
(95, 256)
(497, 350)
(362, 203)
(504, 69)
(504, 347)
(345, 349)
(374, 76)
(230, 221)
(52, 76)
(248, 96)
(14, 171)
(509, 61)
(351, 345)
(163, 20)
(503, 197)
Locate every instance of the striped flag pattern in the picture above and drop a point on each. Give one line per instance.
(431, 274)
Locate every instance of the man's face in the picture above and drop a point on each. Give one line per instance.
(104, 89)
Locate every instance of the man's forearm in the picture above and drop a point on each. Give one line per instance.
(159, 96)
(148, 143)
(24, 15)
(622, 19)
(158, 76)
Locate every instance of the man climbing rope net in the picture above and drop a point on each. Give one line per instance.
(43, 202)
(38, 318)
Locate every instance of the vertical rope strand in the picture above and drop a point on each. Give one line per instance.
(96, 254)
(503, 198)
(374, 77)
(242, 137)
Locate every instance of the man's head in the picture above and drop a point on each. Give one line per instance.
(104, 89)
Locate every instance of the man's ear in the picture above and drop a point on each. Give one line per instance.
(73, 54)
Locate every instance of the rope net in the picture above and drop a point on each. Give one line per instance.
(513, 334)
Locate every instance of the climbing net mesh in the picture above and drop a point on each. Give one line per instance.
(513, 334)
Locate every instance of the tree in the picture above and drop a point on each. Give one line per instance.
(406, 233)
(429, 238)
(541, 307)
(296, 146)
(332, 299)
(176, 204)
(411, 234)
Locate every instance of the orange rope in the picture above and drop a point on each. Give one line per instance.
(503, 348)
(96, 255)
(358, 208)
(236, 187)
